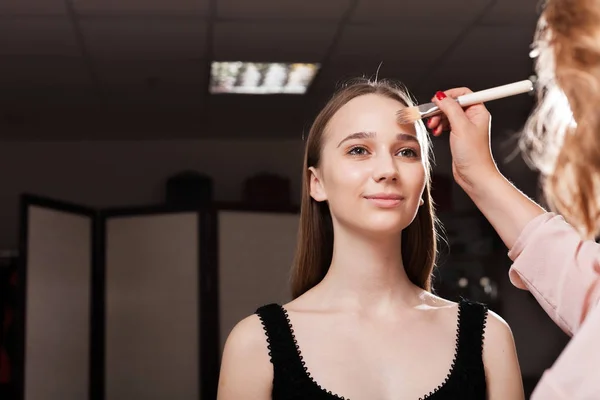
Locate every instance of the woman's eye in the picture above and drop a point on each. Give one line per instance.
(408, 153)
(358, 151)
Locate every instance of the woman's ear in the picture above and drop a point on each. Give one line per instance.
(317, 191)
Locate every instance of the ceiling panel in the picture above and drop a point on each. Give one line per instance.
(152, 73)
(164, 7)
(32, 71)
(145, 38)
(491, 47)
(288, 9)
(151, 99)
(248, 41)
(429, 13)
(26, 98)
(451, 77)
(340, 70)
(25, 36)
(250, 116)
(89, 123)
(513, 12)
(32, 7)
(154, 84)
(488, 56)
(425, 45)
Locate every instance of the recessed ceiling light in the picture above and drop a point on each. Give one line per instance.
(261, 78)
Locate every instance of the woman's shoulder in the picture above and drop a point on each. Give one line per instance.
(250, 334)
(245, 367)
(446, 310)
(495, 331)
(498, 336)
(494, 326)
(247, 337)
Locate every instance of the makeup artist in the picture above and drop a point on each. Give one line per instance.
(557, 261)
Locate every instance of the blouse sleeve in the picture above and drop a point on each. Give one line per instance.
(574, 375)
(558, 268)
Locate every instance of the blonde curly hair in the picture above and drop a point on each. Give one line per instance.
(562, 135)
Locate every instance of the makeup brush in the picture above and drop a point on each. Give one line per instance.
(410, 115)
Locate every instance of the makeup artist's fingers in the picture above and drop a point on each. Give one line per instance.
(445, 124)
(433, 122)
(477, 112)
(452, 110)
(454, 116)
(438, 124)
(455, 92)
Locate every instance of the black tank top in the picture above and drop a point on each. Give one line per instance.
(291, 379)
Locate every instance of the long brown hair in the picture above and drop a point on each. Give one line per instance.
(315, 238)
(562, 136)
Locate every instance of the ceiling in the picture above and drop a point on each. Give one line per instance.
(139, 69)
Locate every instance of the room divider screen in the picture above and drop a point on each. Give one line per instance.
(136, 303)
(55, 280)
(152, 305)
(256, 250)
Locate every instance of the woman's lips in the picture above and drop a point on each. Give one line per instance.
(385, 200)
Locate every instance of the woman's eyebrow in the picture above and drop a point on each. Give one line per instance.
(358, 135)
(404, 137)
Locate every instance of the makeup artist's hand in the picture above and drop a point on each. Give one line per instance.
(472, 159)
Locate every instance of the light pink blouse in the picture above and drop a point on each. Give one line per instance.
(563, 273)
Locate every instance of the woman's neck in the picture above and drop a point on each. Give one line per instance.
(367, 273)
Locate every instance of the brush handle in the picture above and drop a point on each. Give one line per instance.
(495, 93)
(428, 110)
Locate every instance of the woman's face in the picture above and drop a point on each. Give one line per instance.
(372, 173)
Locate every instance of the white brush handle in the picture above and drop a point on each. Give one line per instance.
(495, 93)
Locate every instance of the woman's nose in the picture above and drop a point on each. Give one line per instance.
(385, 168)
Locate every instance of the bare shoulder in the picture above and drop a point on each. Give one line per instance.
(498, 340)
(448, 308)
(497, 333)
(500, 360)
(440, 312)
(497, 329)
(248, 335)
(432, 300)
(246, 369)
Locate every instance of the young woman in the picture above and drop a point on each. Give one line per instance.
(558, 262)
(363, 323)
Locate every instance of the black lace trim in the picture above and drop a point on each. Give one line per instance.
(268, 337)
(301, 358)
(484, 325)
(454, 359)
(329, 392)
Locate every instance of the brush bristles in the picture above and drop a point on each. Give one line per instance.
(408, 115)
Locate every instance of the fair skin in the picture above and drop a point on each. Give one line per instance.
(507, 209)
(365, 331)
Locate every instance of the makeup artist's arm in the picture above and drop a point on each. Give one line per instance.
(246, 371)
(474, 169)
(550, 259)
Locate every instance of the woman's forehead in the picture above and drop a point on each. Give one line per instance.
(368, 113)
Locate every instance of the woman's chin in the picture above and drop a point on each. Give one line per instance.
(382, 229)
(380, 226)
(386, 223)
